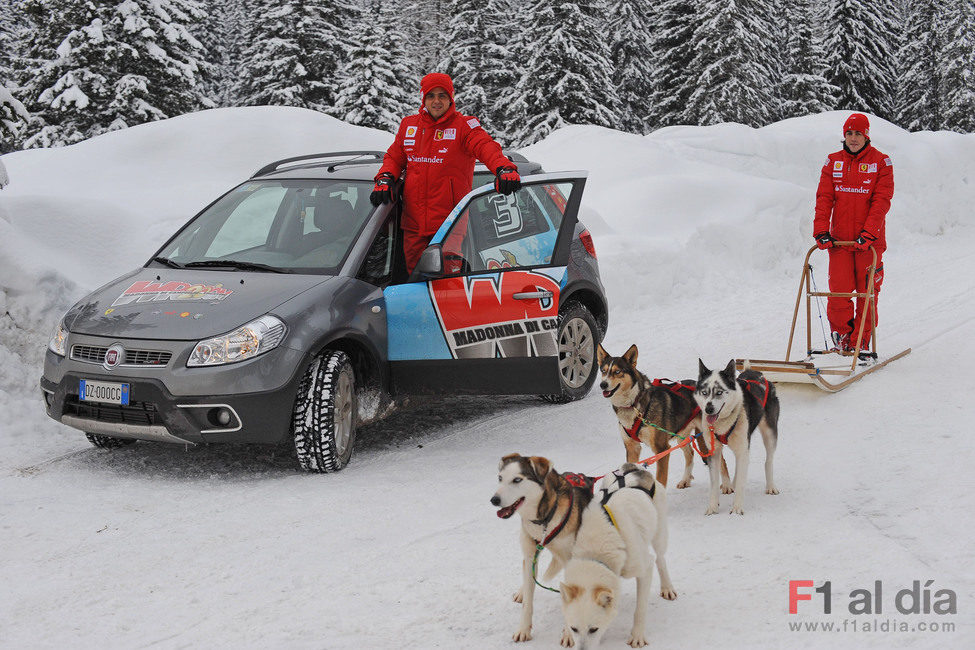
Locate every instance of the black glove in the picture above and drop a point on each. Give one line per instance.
(824, 240)
(507, 180)
(864, 241)
(383, 191)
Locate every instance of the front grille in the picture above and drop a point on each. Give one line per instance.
(96, 354)
(142, 413)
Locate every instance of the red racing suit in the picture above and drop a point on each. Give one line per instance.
(438, 158)
(854, 195)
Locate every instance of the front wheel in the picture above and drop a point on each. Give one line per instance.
(576, 340)
(324, 418)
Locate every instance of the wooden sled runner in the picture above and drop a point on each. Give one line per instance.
(830, 370)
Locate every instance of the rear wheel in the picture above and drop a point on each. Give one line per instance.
(108, 442)
(325, 414)
(577, 340)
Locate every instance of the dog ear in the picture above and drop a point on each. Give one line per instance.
(702, 370)
(729, 373)
(541, 466)
(631, 355)
(601, 354)
(603, 597)
(507, 459)
(569, 592)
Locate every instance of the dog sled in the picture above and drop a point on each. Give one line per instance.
(827, 368)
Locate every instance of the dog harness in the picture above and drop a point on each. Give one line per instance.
(684, 390)
(723, 437)
(607, 494)
(758, 388)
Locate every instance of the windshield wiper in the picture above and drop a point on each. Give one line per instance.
(236, 264)
(168, 262)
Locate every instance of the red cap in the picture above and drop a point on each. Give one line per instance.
(857, 122)
(437, 80)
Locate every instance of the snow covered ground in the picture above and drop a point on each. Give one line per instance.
(700, 234)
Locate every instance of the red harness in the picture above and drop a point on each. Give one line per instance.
(759, 386)
(680, 389)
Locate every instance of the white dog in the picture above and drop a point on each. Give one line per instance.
(614, 541)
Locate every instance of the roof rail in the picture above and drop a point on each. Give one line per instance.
(366, 156)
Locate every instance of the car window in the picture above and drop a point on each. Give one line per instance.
(497, 231)
(302, 226)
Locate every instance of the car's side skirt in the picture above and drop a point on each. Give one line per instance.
(515, 376)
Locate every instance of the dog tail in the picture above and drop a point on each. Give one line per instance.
(746, 364)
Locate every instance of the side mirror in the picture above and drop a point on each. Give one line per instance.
(431, 261)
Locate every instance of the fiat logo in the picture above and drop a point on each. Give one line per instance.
(114, 356)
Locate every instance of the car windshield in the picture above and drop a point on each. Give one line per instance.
(298, 226)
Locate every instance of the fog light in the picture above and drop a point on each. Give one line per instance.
(223, 417)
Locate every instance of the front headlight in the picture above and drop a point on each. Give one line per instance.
(251, 340)
(59, 340)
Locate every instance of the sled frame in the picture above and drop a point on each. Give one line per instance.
(834, 378)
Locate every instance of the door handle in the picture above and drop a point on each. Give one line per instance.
(532, 295)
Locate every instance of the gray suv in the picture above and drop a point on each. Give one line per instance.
(284, 303)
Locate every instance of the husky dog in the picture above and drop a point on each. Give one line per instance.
(550, 505)
(618, 527)
(640, 404)
(732, 409)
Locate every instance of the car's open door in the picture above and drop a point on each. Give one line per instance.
(486, 321)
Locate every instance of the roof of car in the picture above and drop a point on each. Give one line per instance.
(353, 165)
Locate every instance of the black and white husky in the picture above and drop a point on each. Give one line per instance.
(732, 408)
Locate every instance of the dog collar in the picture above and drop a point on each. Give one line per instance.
(558, 529)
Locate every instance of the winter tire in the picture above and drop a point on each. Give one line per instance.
(324, 418)
(577, 340)
(108, 442)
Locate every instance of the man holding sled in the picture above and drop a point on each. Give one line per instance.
(855, 190)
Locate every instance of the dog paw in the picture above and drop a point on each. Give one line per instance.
(771, 490)
(737, 510)
(668, 593)
(727, 488)
(522, 635)
(518, 597)
(567, 641)
(711, 510)
(637, 640)
(684, 483)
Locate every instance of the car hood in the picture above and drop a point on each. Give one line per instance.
(176, 304)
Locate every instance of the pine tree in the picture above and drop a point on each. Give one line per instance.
(958, 18)
(13, 115)
(467, 57)
(296, 49)
(732, 64)
(672, 31)
(98, 66)
(632, 53)
(225, 37)
(921, 99)
(569, 74)
(376, 86)
(804, 89)
(860, 44)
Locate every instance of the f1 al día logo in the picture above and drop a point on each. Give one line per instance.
(921, 607)
(510, 314)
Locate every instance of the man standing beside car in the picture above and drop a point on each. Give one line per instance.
(436, 148)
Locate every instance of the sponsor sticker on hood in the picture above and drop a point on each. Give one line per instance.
(143, 291)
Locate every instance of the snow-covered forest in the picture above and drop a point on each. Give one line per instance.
(72, 69)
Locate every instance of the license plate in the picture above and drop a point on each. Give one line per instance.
(103, 391)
